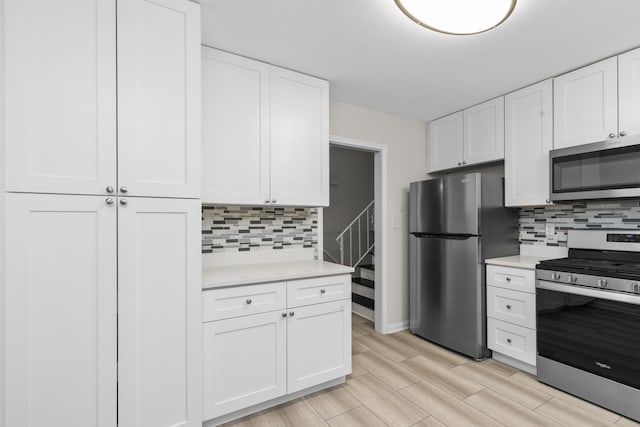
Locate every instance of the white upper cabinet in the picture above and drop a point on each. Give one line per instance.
(61, 313)
(299, 139)
(472, 136)
(484, 132)
(159, 98)
(159, 313)
(265, 133)
(60, 95)
(64, 113)
(629, 93)
(586, 105)
(235, 128)
(445, 142)
(528, 139)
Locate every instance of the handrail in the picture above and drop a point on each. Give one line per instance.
(355, 219)
(369, 212)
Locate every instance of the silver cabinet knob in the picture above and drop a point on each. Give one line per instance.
(612, 135)
(548, 201)
(284, 314)
(508, 306)
(459, 164)
(109, 189)
(509, 340)
(124, 189)
(508, 279)
(464, 163)
(249, 301)
(322, 291)
(124, 202)
(108, 201)
(267, 201)
(274, 201)
(623, 133)
(291, 313)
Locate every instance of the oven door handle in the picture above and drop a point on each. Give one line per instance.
(588, 292)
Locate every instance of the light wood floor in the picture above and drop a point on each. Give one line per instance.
(402, 380)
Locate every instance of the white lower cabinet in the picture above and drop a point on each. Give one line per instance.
(102, 311)
(252, 357)
(511, 315)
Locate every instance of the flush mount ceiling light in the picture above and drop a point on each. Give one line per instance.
(459, 17)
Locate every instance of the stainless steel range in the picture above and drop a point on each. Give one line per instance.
(588, 319)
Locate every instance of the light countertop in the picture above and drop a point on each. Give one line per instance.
(517, 261)
(235, 275)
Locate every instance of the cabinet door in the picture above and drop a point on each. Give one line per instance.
(484, 132)
(235, 131)
(159, 98)
(528, 139)
(159, 305)
(585, 105)
(629, 93)
(299, 139)
(318, 344)
(60, 95)
(244, 362)
(444, 146)
(61, 312)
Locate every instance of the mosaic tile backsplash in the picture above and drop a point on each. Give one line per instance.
(623, 214)
(246, 228)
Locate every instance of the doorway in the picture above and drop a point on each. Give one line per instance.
(372, 265)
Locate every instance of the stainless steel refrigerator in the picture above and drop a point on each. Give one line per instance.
(455, 223)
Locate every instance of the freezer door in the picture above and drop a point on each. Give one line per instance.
(446, 300)
(446, 205)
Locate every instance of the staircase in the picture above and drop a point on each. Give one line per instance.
(357, 242)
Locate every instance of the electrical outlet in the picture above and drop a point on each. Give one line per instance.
(550, 229)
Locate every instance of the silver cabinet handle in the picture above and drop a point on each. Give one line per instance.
(291, 313)
(623, 133)
(612, 135)
(508, 307)
(124, 202)
(109, 189)
(124, 189)
(108, 201)
(322, 291)
(249, 301)
(509, 340)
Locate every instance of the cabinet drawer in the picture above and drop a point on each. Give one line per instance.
(512, 340)
(318, 290)
(517, 279)
(243, 300)
(512, 306)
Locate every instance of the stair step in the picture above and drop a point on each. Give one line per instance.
(364, 282)
(368, 266)
(363, 301)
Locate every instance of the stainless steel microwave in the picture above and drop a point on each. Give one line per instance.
(601, 170)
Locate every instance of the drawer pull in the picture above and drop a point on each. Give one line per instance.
(284, 314)
(508, 279)
(508, 306)
(323, 290)
(249, 301)
(509, 340)
(291, 313)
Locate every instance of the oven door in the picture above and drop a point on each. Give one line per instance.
(596, 171)
(595, 331)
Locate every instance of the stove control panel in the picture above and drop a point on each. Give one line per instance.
(591, 281)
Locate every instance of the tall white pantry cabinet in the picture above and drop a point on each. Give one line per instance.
(100, 293)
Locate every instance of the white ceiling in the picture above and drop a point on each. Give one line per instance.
(377, 58)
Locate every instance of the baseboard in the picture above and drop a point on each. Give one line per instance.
(363, 312)
(514, 362)
(397, 327)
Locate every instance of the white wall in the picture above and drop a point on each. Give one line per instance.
(406, 141)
